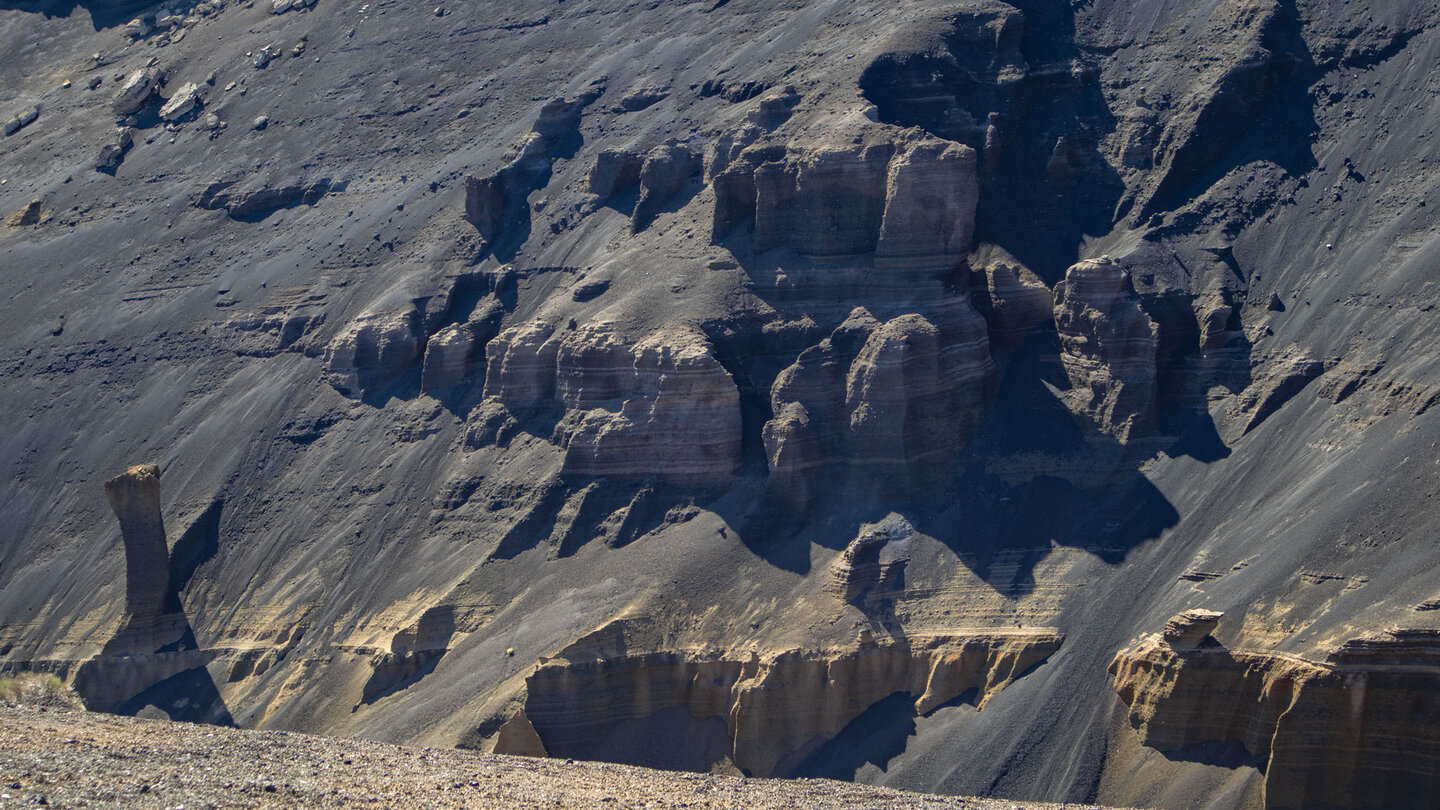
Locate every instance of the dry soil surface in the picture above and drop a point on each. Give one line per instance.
(66, 758)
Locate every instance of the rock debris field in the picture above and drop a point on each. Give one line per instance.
(64, 758)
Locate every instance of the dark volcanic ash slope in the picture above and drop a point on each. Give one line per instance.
(807, 389)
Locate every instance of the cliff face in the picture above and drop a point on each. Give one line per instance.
(848, 356)
(770, 713)
(1352, 730)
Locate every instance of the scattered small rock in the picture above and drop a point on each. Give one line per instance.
(260, 122)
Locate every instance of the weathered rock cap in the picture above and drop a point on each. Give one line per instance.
(137, 486)
(1187, 630)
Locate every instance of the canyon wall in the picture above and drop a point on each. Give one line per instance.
(846, 356)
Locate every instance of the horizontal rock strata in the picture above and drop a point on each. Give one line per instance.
(661, 406)
(1109, 345)
(776, 708)
(1351, 731)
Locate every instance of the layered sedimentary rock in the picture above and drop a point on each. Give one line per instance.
(776, 708)
(873, 564)
(520, 366)
(134, 496)
(1018, 300)
(930, 198)
(1353, 730)
(660, 406)
(374, 350)
(457, 352)
(894, 401)
(910, 199)
(1108, 344)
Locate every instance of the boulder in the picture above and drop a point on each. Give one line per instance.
(112, 153)
(133, 94)
(185, 100)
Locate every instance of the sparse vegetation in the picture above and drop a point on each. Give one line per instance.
(38, 689)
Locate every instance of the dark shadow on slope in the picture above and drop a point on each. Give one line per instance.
(185, 697)
(103, 14)
(196, 546)
(153, 661)
(877, 736)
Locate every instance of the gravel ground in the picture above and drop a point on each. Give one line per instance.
(65, 758)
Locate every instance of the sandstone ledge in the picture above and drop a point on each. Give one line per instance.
(80, 759)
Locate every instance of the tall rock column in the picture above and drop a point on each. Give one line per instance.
(134, 495)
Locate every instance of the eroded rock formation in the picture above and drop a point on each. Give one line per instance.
(909, 200)
(1352, 730)
(373, 350)
(1108, 344)
(893, 401)
(496, 201)
(661, 406)
(776, 708)
(134, 497)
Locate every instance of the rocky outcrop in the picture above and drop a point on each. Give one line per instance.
(1108, 348)
(665, 171)
(457, 352)
(1187, 630)
(872, 566)
(656, 176)
(615, 170)
(496, 201)
(678, 415)
(776, 708)
(1350, 731)
(930, 198)
(660, 406)
(1276, 381)
(374, 350)
(1018, 300)
(255, 199)
(911, 201)
(134, 497)
(895, 402)
(278, 327)
(914, 395)
(520, 367)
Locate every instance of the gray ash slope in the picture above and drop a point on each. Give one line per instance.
(363, 545)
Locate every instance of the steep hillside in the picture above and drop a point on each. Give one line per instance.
(838, 389)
